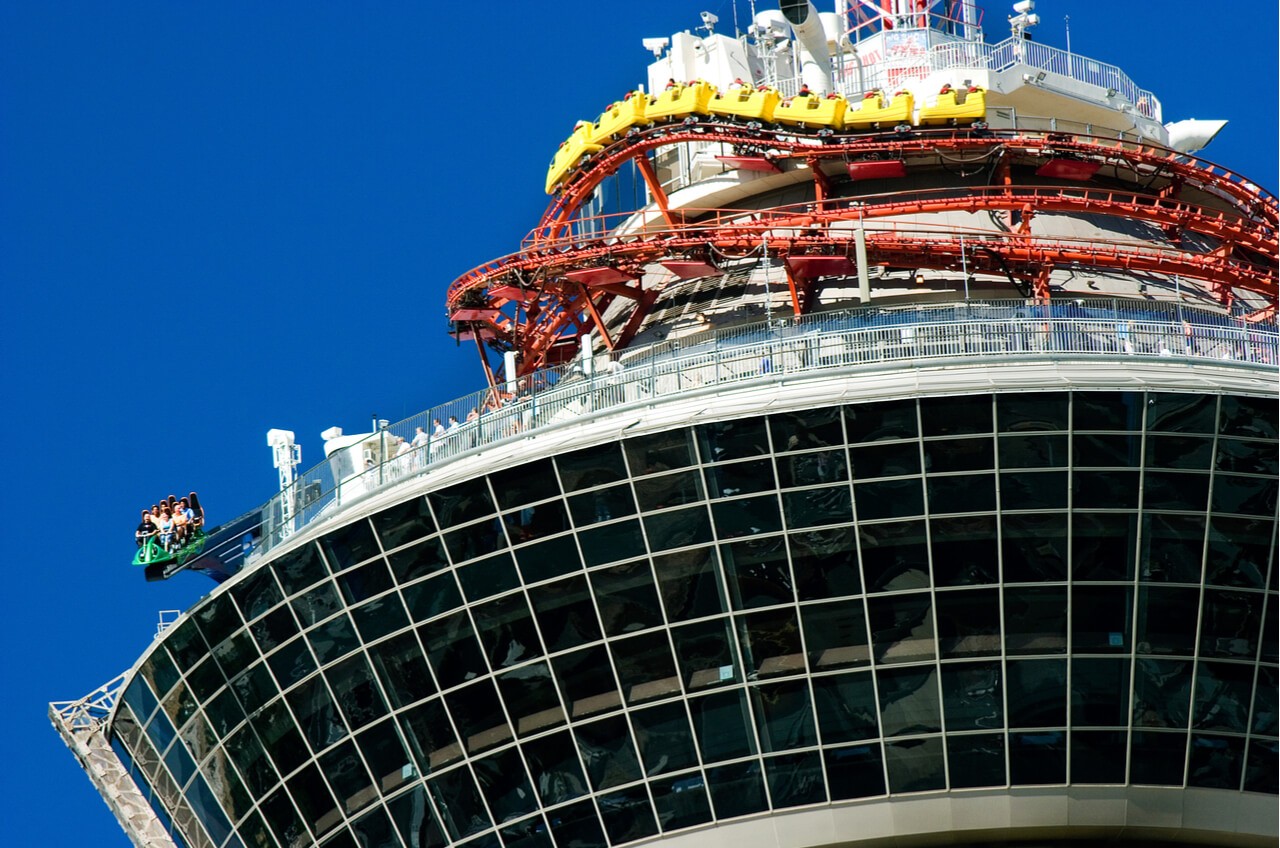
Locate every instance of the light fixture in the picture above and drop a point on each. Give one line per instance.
(1111, 92)
(656, 46)
(1040, 77)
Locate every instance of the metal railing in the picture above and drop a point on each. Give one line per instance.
(856, 340)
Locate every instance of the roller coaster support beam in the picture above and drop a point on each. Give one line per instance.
(655, 188)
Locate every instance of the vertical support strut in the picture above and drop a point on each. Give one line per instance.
(655, 188)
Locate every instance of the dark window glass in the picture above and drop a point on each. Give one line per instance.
(1106, 451)
(757, 573)
(217, 618)
(689, 584)
(536, 522)
(280, 814)
(1033, 490)
(380, 617)
(1032, 412)
(627, 815)
(659, 452)
(771, 642)
(1035, 620)
(645, 667)
(478, 715)
(740, 478)
(1103, 545)
(186, 645)
(232, 655)
(1033, 451)
(204, 802)
(247, 753)
(1262, 766)
(976, 760)
(1222, 696)
(1035, 548)
(590, 467)
(825, 563)
(224, 712)
(530, 696)
(475, 540)
(180, 764)
(968, 623)
(565, 614)
(1238, 551)
(813, 507)
(951, 416)
(964, 550)
(317, 714)
(1229, 624)
(280, 736)
(1101, 618)
(1097, 756)
(889, 499)
(1037, 693)
(357, 692)
(386, 754)
(736, 439)
(1167, 620)
(313, 799)
(415, 820)
(373, 829)
(586, 682)
(901, 628)
(676, 529)
(607, 752)
(1161, 693)
(612, 543)
(669, 490)
(871, 422)
(972, 697)
(318, 604)
(1266, 701)
(1037, 758)
(1099, 692)
(808, 469)
(795, 780)
(578, 826)
(1216, 761)
(364, 582)
(256, 594)
(602, 505)
(1244, 495)
(1107, 410)
(349, 545)
(1187, 492)
(403, 523)
(527, 483)
(664, 738)
(1157, 758)
(784, 715)
(895, 556)
(888, 460)
(909, 701)
(950, 455)
(430, 736)
(254, 687)
(335, 638)
(706, 654)
(1169, 412)
(813, 428)
(746, 516)
(962, 493)
(737, 790)
(1247, 457)
(452, 649)
(487, 577)
(400, 666)
(1190, 452)
(432, 597)
(459, 803)
(681, 801)
(554, 766)
(1105, 489)
(418, 561)
(292, 662)
(548, 559)
(846, 707)
(722, 725)
(505, 785)
(506, 631)
(1248, 417)
(836, 635)
(462, 503)
(297, 570)
(1172, 548)
(915, 765)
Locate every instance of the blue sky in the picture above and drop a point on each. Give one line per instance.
(219, 218)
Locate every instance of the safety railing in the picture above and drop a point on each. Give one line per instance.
(854, 340)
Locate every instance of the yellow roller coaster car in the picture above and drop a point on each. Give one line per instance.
(680, 101)
(570, 153)
(746, 104)
(615, 121)
(955, 108)
(810, 110)
(872, 112)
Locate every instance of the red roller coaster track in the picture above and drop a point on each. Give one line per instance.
(533, 302)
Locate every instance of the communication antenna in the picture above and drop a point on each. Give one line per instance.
(286, 455)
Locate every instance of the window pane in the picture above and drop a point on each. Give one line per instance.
(1101, 618)
(825, 563)
(836, 635)
(757, 573)
(1104, 545)
(1034, 547)
(895, 556)
(795, 780)
(909, 701)
(607, 751)
(1036, 620)
(949, 416)
(972, 696)
(901, 628)
(969, 623)
(1037, 758)
(722, 726)
(553, 763)
(1037, 693)
(915, 765)
(689, 584)
(888, 460)
(1032, 412)
(664, 738)
(565, 613)
(590, 467)
(871, 422)
(846, 707)
(976, 760)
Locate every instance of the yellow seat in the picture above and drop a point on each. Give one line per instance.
(950, 110)
(620, 117)
(680, 101)
(746, 104)
(812, 111)
(872, 112)
(570, 153)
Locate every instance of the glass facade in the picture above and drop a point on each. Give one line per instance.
(691, 626)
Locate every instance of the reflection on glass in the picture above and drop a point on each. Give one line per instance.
(722, 725)
(659, 452)
(1035, 619)
(1161, 693)
(1222, 696)
(895, 556)
(915, 765)
(1034, 547)
(901, 628)
(1216, 761)
(607, 751)
(664, 738)
(553, 763)
(626, 597)
(976, 760)
(909, 701)
(969, 623)
(836, 635)
(1037, 758)
(1037, 693)
(627, 815)
(825, 563)
(972, 696)
(689, 584)
(1157, 758)
(1032, 412)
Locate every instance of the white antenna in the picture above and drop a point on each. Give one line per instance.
(285, 456)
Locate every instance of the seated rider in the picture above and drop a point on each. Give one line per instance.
(166, 529)
(146, 528)
(180, 528)
(185, 518)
